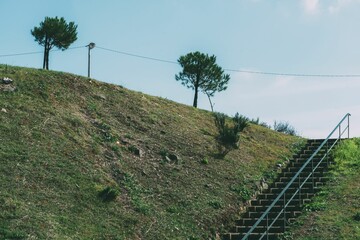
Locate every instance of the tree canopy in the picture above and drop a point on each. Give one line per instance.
(54, 32)
(200, 72)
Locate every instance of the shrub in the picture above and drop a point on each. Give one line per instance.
(256, 121)
(205, 161)
(356, 216)
(215, 203)
(108, 194)
(244, 192)
(284, 127)
(229, 136)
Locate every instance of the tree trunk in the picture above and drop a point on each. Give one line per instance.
(196, 96)
(45, 51)
(47, 59)
(211, 104)
(44, 57)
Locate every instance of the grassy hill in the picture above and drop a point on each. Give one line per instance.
(82, 159)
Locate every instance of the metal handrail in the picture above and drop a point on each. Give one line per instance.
(282, 194)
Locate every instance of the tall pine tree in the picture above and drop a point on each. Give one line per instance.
(201, 73)
(54, 32)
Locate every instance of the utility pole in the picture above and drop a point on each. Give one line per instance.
(90, 46)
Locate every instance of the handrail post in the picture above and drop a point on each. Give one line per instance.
(284, 211)
(327, 154)
(348, 126)
(299, 192)
(267, 227)
(312, 174)
(339, 131)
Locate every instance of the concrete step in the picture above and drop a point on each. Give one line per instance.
(324, 163)
(268, 202)
(279, 228)
(255, 236)
(288, 214)
(307, 169)
(277, 208)
(303, 174)
(296, 184)
(302, 178)
(294, 189)
(272, 196)
(246, 221)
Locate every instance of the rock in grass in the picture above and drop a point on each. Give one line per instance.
(7, 80)
(7, 88)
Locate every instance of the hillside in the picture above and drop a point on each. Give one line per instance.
(67, 140)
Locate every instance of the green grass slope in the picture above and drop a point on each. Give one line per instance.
(335, 212)
(67, 141)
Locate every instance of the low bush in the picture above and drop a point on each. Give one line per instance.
(284, 127)
(108, 194)
(257, 122)
(229, 136)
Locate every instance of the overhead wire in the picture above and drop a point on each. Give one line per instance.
(296, 74)
(38, 52)
(242, 71)
(174, 62)
(138, 56)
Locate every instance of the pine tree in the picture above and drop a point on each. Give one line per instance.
(54, 32)
(200, 72)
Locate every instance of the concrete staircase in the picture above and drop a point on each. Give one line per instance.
(293, 209)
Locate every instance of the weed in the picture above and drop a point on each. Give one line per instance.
(315, 206)
(164, 153)
(132, 149)
(108, 194)
(215, 203)
(92, 106)
(243, 192)
(7, 234)
(228, 137)
(136, 192)
(116, 149)
(128, 136)
(173, 209)
(205, 161)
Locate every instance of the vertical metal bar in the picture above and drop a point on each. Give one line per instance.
(299, 192)
(348, 126)
(267, 226)
(284, 212)
(312, 173)
(327, 155)
(339, 131)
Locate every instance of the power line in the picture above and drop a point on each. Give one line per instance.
(138, 56)
(31, 53)
(19, 54)
(244, 71)
(296, 74)
(173, 62)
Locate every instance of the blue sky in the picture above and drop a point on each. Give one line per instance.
(299, 36)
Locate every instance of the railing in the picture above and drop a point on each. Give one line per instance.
(301, 183)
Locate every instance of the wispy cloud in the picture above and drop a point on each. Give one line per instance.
(310, 6)
(340, 4)
(313, 7)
